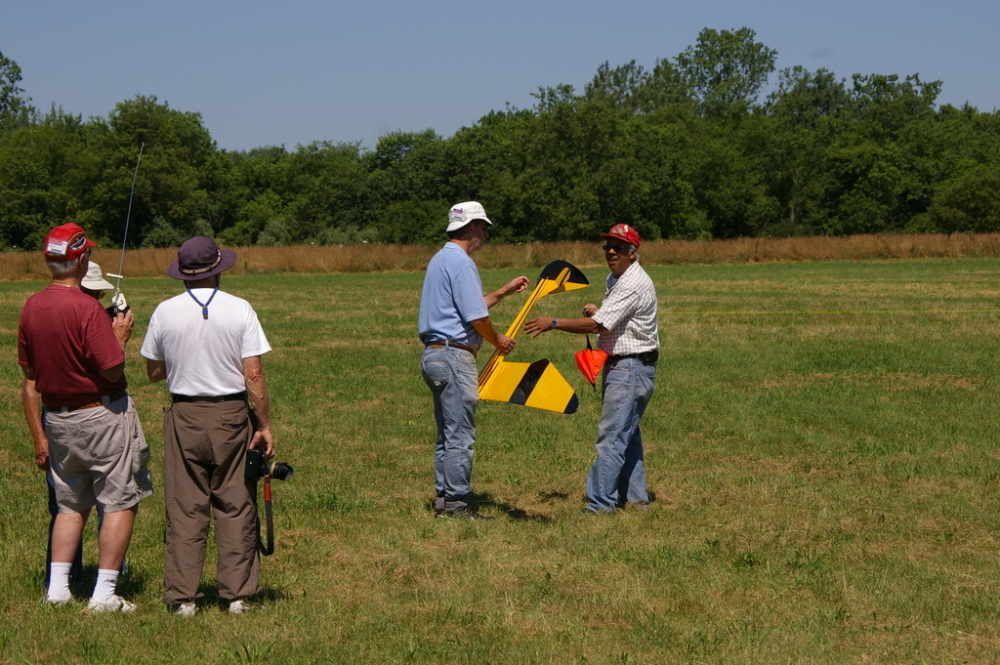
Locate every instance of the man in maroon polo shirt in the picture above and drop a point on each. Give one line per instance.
(88, 433)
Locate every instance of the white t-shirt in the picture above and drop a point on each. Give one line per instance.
(204, 357)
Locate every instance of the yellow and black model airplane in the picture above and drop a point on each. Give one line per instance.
(538, 384)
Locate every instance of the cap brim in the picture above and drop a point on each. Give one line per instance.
(454, 226)
(614, 237)
(96, 284)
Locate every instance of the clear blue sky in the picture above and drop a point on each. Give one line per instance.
(288, 73)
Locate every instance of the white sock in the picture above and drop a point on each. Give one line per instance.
(59, 582)
(105, 587)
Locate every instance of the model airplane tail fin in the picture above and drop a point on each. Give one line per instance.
(538, 385)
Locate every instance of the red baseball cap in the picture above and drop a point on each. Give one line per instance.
(624, 232)
(66, 242)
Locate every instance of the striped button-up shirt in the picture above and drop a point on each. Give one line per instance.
(628, 313)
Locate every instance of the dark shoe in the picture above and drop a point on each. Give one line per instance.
(466, 513)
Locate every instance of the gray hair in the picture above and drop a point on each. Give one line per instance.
(62, 269)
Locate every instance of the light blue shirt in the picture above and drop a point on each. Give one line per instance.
(452, 297)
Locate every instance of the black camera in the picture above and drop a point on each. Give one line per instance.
(258, 467)
(118, 305)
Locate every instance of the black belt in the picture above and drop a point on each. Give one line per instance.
(647, 357)
(241, 397)
(464, 347)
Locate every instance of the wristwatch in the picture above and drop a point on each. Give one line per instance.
(555, 323)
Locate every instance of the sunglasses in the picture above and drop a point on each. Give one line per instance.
(619, 249)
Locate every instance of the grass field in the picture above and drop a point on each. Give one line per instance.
(822, 447)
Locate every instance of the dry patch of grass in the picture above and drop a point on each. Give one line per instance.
(891, 381)
(313, 259)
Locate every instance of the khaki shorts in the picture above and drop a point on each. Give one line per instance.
(99, 457)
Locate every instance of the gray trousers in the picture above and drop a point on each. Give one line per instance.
(204, 454)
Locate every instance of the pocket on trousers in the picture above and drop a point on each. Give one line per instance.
(435, 371)
(235, 422)
(109, 440)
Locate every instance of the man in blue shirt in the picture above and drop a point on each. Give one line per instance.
(454, 320)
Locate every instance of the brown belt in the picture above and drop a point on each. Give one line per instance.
(112, 397)
(464, 347)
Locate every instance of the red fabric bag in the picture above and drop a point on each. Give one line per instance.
(590, 361)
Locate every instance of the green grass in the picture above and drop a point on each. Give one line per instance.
(822, 447)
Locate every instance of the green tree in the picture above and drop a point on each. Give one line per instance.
(327, 187)
(967, 203)
(725, 67)
(178, 177)
(804, 116)
(43, 171)
(884, 104)
(15, 110)
(619, 86)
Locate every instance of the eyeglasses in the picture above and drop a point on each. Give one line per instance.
(619, 249)
(86, 254)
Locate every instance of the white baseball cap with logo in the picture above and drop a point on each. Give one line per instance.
(463, 213)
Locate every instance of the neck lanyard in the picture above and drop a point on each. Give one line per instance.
(204, 305)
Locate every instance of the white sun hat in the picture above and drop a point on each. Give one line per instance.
(95, 279)
(463, 213)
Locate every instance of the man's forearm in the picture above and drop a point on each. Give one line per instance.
(486, 330)
(494, 297)
(514, 286)
(31, 401)
(582, 326)
(257, 392)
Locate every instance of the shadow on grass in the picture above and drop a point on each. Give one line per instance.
(487, 500)
(481, 500)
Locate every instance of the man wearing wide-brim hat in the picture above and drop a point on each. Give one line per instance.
(208, 344)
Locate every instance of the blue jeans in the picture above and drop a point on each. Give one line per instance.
(451, 375)
(618, 475)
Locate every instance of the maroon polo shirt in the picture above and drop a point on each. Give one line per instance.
(66, 336)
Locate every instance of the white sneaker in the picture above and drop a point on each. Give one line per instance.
(112, 604)
(186, 610)
(242, 606)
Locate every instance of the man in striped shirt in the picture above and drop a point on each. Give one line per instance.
(627, 331)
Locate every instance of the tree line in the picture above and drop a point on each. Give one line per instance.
(691, 148)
